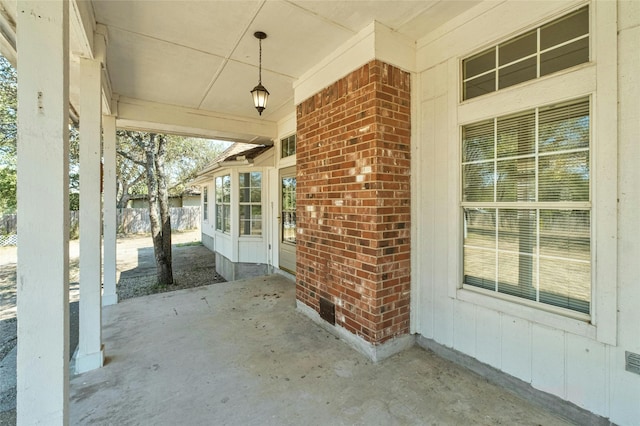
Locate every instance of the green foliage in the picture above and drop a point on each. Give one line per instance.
(185, 157)
(8, 183)
(8, 110)
(8, 134)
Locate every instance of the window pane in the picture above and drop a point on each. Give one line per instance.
(219, 217)
(480, 227)
(480, 63)
(517, 135)
(566, 234)
(517, 73)
(478, 142)
(517, 230)
(517, 245)
(565, 283)
(480, 86)
(288, 146)
(256, 180)
(564, 177)
(218, 189)
(565, 29)
(245, 195)
(227, 218)
(480, 268)
(517, 48)
(226, 189)
(255, 195)
(564, 128)
(256, 227)
(516, 180)
(564, 57)
(517, 275)
(477, 182)
(244, 180)
(289, 227)
(245, 211)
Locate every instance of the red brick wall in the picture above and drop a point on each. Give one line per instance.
(353, 195)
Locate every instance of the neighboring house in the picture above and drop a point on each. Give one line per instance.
(460, 175)
(189, 198)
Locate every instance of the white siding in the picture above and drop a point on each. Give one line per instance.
(547, 347)
(558, 356)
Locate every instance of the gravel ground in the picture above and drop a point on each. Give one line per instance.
(193, 266)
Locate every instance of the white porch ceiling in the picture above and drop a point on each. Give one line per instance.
(202, 55)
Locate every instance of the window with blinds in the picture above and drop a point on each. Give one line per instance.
(556, 46)
(526, 205)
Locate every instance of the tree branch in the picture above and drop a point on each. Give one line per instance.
(130, 158)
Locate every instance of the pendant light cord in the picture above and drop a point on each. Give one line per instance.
(260, 67)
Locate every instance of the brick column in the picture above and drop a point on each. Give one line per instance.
(353, 195)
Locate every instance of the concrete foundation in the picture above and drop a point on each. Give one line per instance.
(207, 241)
(374, 352)
(232, 271)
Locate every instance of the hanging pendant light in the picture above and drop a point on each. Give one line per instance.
(260, 93)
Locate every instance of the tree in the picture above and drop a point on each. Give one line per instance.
(155, 153)
(185, 157)
(8, 135)
(158, 165)
(147, 151)
(8, 110)
(130, 164)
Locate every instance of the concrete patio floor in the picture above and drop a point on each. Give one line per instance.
(239, 353)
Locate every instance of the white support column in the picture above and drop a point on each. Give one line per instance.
(109, 295)
(90, 353)
(43, 209)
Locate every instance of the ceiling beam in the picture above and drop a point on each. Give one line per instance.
(82, 25)
(8, 36)
(136, 114)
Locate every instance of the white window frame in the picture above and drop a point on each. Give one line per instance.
(536, 55)
(261, 203)
(597, 79)
(286, 138)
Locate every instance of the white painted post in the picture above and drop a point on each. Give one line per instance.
(43, 209)
(90, 353)
(109, 295)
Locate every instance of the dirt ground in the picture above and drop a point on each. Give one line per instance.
(193, 266)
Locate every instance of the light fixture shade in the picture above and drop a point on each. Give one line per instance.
(260, 96)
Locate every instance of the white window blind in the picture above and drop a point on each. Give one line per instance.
(526, 205)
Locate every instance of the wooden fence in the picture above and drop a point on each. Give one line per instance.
(136, 221)
(129, 221)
